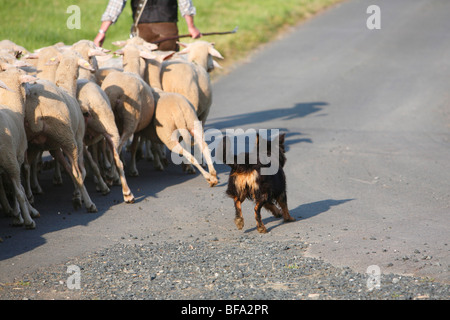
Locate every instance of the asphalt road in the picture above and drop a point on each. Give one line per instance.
(367, 119)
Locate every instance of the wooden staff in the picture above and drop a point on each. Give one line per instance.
(203, 34)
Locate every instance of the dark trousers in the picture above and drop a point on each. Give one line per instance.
(160, 30)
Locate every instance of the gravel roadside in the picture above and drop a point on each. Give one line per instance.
(246, 268)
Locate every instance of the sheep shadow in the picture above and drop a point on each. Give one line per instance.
(299, 110)
(57, 213)
(302, 212)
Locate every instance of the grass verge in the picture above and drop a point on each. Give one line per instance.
(38, 23)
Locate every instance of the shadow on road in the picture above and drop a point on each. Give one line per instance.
(299, 110)
(303, 212)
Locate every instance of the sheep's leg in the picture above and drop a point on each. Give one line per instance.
(21, 198)
(133, 171)
(27, 172)
(57, 177)
(103, 188)
(76, 175)
(76, 196)
(147, 146)
(156, 151)
(127, 195)
(175, 146)
(201, 143)
(4, 200)
(34, 156)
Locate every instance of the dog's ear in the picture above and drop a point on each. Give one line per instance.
(227, 153)
(282, 136)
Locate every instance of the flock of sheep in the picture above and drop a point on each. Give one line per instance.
(81, 104)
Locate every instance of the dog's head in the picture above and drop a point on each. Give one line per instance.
(267, 147)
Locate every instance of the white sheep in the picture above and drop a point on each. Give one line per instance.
(174, 113)
(13, 143)
(131, 98)
(54, 122)
(190, 78)
(101, 123)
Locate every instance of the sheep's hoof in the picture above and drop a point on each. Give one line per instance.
(158, 166)
(134, 173)
(17, 222)
(37, 190)
(76, 203)
(129, 198)
(213, 181)
(92, 208)
(57, 181)
(106, 191)
(35, 213)
(30, 226)
(188, 168)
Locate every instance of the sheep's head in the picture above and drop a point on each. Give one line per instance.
(202, 53)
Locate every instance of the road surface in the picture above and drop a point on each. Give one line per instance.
(367, 119)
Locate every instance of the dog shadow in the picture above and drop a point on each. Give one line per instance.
(302, 212)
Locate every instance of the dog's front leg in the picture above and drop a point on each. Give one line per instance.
(239, 218)
(259, 224)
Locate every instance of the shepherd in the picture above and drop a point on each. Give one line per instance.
(154, 20)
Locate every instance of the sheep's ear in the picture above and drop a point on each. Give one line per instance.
(120, 43)
(184, 45)
(26, 78)
(147, 55)
(34, 55)
(217, 65)
(168, 55)
(150, 46)
(21, 63)
(96, 52)
(85, 65)
(6, 65)
(119, 52)
(212, 51)
(4, 86)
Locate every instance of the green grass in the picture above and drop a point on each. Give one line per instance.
(38, 23)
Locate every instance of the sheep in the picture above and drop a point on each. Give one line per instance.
(89, 51)
(174, 113)
(190, 78)
(101, 123)
(13, 143)
(11, 46)
(54, 122)
(110, 64)
(131, 98)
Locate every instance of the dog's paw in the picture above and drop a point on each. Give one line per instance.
(239, 223)
(262, 229)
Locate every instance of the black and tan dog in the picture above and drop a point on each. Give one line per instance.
(266, 190)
